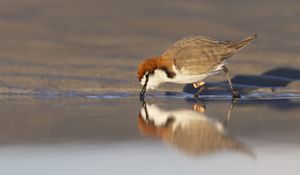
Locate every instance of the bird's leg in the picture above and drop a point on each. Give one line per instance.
(202, 86)
(235, 93)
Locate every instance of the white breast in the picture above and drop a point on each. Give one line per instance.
(183, 78)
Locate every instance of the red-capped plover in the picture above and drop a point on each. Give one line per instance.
(190, 60)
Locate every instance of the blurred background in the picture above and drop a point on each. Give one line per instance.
(95, 46)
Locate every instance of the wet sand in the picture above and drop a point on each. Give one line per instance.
(68, 89)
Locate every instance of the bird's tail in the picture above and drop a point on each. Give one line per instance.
(240, 44)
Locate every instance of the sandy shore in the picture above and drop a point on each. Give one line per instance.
(95, 46)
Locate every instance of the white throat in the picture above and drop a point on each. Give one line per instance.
(155, 79)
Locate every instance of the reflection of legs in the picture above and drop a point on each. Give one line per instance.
(202, 86)
(226, 122)
(235, 93)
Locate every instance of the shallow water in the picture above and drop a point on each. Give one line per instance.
(109, 134)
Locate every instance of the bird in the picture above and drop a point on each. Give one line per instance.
(190, 131)
(190, 60)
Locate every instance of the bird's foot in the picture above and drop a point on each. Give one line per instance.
(196, 96)
(235, 93)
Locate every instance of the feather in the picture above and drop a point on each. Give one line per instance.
(197, 55)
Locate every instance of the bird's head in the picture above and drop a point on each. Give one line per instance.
(147, 74)
(152, 72)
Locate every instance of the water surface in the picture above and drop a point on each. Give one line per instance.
(84, 135)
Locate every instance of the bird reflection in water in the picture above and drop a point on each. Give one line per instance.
(189, 130)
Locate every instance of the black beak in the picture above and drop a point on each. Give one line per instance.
(144, 89)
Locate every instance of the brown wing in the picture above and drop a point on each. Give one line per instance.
(198, 55)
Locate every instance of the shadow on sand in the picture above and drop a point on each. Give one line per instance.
(276, 78)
